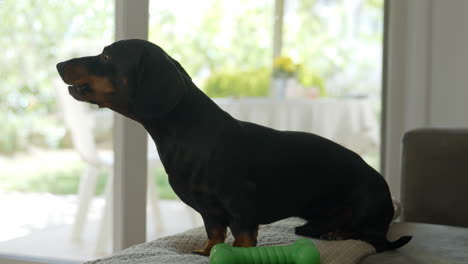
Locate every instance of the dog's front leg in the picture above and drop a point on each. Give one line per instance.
(216, 234)
(245, 235)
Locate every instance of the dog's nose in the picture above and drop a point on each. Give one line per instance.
(60, 66)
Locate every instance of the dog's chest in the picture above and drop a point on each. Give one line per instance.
(199, 163)
(187, 166)
(196, 189)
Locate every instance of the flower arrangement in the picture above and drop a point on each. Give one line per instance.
(295, 80)
(284, 67)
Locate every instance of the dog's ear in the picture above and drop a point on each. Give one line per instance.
(160, 85)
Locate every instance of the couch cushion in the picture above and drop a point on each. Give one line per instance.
(176, 249)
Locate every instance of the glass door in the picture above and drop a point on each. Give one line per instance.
(47, 140)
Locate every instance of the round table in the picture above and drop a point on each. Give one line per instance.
(431, 244)
(350, 122)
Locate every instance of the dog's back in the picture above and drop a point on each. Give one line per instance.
(295, 168)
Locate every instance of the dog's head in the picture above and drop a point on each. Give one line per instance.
(133, 77)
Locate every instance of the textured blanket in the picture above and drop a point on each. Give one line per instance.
(176, 249)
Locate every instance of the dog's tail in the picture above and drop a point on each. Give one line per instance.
(387, 245)
(399, 242)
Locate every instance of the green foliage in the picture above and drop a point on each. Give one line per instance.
(62, 179)
(238, 84)
(224, 36)
(11, 139)
(254, 83)
(32, 35)
(310, 78)
(19, 132)
(334, 45)
(378, 4)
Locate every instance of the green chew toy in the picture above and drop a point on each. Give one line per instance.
(302, 251)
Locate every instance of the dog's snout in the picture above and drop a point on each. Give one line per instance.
(60, 67)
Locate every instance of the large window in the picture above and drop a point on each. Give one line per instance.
(331, 48)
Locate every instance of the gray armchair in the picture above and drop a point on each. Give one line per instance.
(435, 176)
(434, 199)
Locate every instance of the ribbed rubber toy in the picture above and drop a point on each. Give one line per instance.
(303, 251)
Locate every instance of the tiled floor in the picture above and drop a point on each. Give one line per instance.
(39, 225)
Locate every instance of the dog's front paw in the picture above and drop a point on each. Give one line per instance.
(209, 244)
(202, 252)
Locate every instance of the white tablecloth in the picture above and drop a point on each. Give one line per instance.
(350, 122)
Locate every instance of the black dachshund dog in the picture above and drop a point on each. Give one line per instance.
(236, 174)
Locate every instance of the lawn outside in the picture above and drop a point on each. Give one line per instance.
(38, 195)
(40, 224)
(57, 172)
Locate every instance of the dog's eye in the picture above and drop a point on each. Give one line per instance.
(106, 58)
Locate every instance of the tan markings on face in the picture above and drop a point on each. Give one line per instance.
(101, 89)
(75, 74)
(101, 85)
